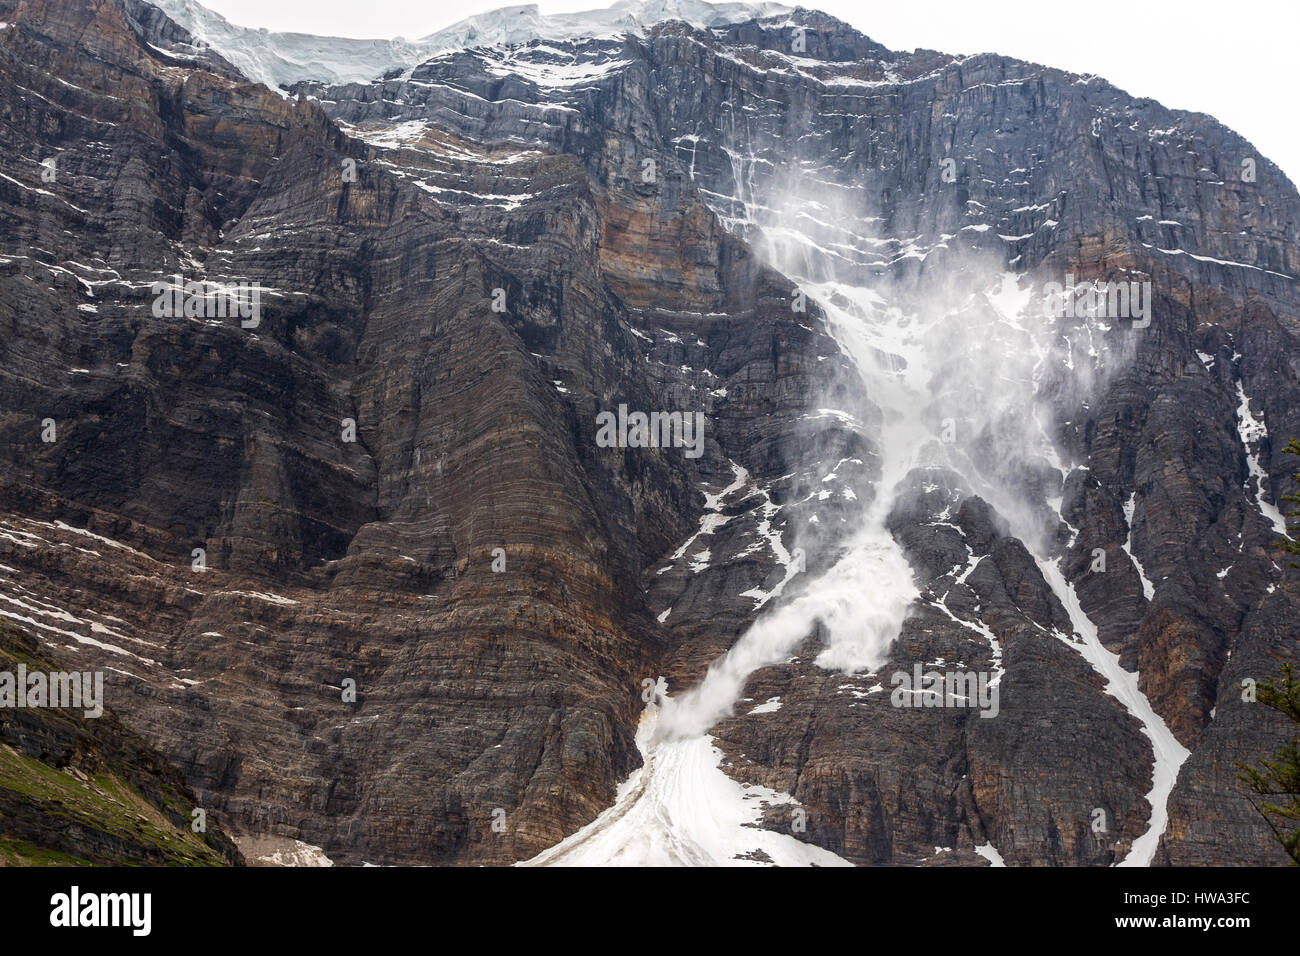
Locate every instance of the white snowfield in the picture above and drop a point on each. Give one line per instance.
(681, 809)
(1252, 431)
(302, 854)
(282, 59)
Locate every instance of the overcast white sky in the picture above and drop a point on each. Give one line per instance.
(1233, 60)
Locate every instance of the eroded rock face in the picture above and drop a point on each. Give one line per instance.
(78, 788)
(395, 479)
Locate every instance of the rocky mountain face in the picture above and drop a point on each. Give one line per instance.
(78, 790)
(362, 567)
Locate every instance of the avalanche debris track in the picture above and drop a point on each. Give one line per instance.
(680, 807)
(1168, 754)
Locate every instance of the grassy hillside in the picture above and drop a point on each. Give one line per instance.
(79, 792)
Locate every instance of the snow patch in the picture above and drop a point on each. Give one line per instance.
(680, 809)
(1167, 753)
